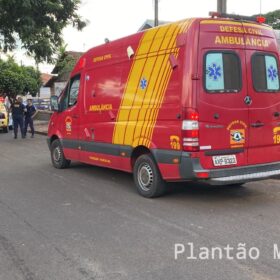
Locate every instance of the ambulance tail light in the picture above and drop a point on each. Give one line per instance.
(190, 132)
(202, 175)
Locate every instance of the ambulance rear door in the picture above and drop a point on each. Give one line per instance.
(222, 91)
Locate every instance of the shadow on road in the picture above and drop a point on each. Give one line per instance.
(123, 182)
(204, 191)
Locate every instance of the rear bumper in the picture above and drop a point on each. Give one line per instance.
(244, 177)
(191, 167)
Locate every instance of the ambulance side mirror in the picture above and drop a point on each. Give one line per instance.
(54, 104)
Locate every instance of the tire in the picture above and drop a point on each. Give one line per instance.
(58, 159)
(5, 129)
(147, 177)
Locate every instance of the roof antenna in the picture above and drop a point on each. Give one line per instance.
(260, 7)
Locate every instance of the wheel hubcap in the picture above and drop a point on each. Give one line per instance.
(57, 154)
(145, 176)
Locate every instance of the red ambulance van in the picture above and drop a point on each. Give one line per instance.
(197, 99)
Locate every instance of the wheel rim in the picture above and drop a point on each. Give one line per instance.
(145, 177)
(57, 154)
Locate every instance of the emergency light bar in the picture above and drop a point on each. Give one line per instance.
(259, 19)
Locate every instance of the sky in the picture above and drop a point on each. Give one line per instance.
(114, 19)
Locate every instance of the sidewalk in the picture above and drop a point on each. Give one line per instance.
(41, 122)
(41, 127)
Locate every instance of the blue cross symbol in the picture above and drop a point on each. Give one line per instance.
(272, 73)
(143, 83)
(214, 72)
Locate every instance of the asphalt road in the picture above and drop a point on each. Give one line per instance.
(89, 223)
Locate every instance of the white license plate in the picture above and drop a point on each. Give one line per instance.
(224, 160)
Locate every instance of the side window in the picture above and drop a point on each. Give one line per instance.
(222, 72)
(63, 99)
(69, 96)
(265, 73)
(74, 90)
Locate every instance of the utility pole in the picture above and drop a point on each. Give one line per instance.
(222, 6)
(156, 13)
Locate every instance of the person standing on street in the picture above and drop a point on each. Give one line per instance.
(29, 115)
(18, 110)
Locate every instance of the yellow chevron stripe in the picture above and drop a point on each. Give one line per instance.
(139, 108)
(132, 87)
(141, 96)
(159, 89)
(150, 98)
(144, 126)
(155, 110)
(133, 96)
(121, 113)
(140, 100)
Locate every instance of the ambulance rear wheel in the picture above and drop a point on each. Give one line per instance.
(147, 177)
(58, 159)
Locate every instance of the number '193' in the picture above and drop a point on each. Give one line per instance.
(276, 139)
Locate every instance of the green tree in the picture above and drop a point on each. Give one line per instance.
(16, 79)
(38, 24)
(273, 19)
(65, 62)
(32, 80)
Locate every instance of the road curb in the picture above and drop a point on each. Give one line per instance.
(41, 133)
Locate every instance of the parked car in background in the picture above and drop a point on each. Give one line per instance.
(41, 104)
(4, 118)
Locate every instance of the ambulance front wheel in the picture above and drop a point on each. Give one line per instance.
(147, 177)
(58, 159)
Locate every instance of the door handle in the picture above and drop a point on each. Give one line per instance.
(75, 116)
(257, 124)
(112, 115)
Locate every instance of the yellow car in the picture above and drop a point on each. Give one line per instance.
(4, 118)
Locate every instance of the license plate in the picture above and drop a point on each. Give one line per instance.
(224, 160)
